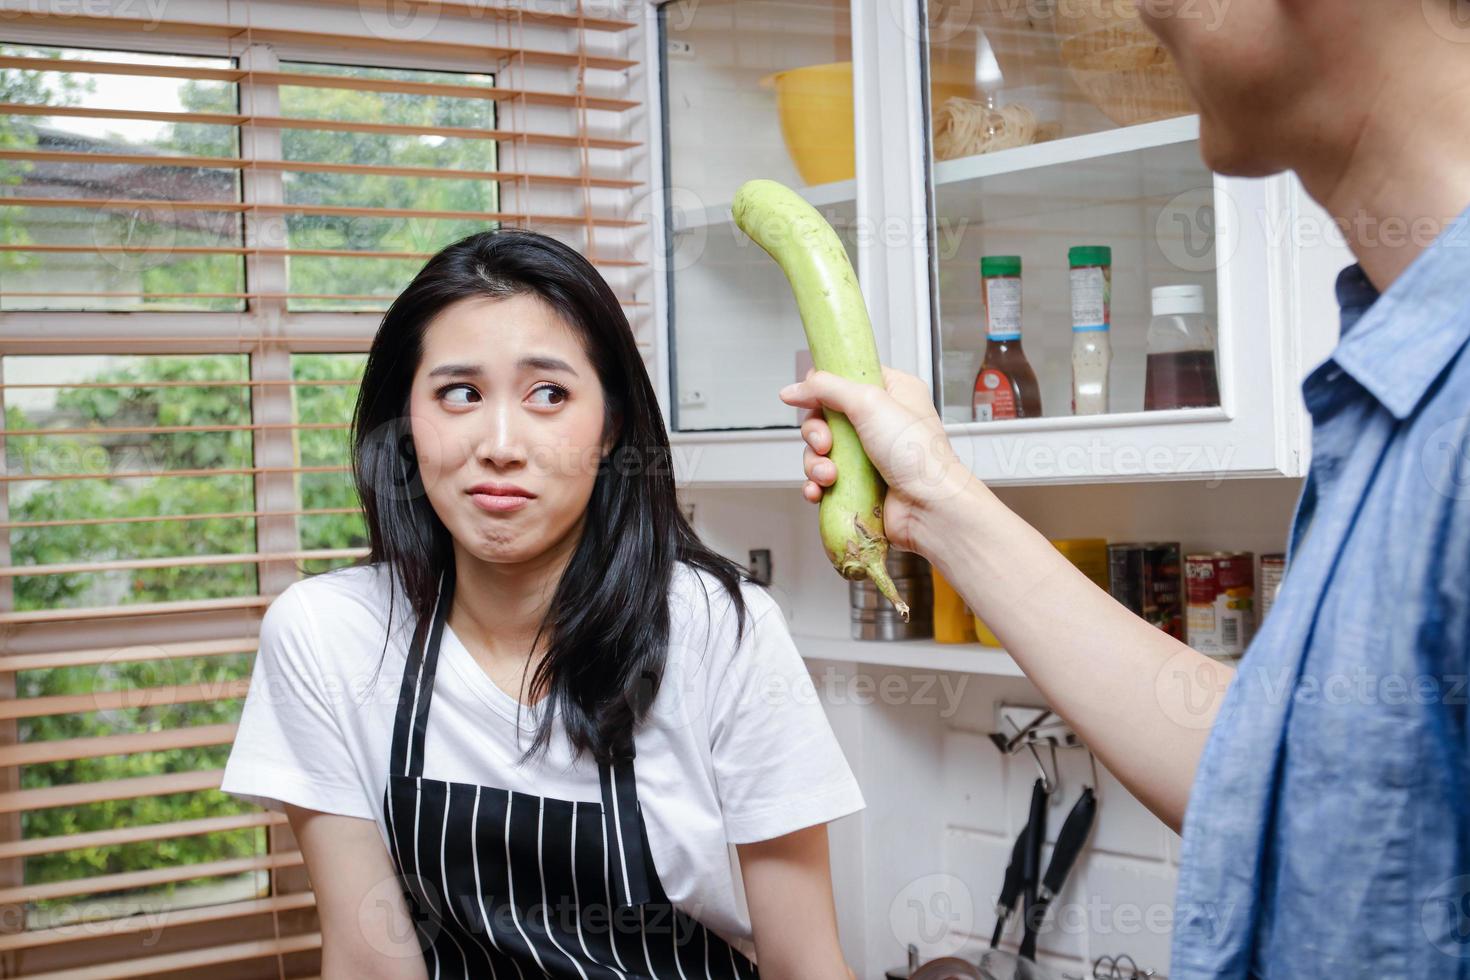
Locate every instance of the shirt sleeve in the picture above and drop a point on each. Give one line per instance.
(778, 766)
(290, 746)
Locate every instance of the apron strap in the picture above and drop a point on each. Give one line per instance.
(412, 720)
(623, 828)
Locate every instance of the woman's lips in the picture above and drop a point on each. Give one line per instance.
(497, 504)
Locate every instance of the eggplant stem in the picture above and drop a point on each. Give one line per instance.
(871, 562)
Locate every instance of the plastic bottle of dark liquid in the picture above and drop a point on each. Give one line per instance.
(1181, 369)
(1006, 386)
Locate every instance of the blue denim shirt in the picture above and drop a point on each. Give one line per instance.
(1328, 833)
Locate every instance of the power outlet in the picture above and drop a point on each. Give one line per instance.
(760, 565)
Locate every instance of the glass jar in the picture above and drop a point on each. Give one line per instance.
(1180, 370)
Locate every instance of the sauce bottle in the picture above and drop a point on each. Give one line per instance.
(1006, 386)
(1092, 354)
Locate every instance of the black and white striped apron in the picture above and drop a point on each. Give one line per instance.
(503, 884)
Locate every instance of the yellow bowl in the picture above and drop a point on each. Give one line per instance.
(814, 104)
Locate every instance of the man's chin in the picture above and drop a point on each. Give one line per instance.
(1237, 154)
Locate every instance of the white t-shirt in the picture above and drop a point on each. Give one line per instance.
(736, 747)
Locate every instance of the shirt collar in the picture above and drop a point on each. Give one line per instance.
(1396, 344)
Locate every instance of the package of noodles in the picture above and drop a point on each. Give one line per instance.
(964, 127)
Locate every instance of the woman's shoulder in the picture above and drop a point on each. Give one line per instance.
(702, 609)
(698, 591)
(338, 603)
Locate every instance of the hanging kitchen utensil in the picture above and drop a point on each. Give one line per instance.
(1021, 857)
(1069, 845)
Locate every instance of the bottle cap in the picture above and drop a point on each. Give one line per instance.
(1084, 255)
(1178, 300)
(1000, 265)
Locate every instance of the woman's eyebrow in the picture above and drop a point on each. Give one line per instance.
(537, 362)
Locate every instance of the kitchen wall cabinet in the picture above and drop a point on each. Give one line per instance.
(765, 88)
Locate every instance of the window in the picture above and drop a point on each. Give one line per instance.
(201, 222)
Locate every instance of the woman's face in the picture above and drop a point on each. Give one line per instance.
(505, 402)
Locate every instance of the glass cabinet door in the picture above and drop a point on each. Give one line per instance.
(751, 88)
(1073, 247)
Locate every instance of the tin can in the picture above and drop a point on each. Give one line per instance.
(1221, 600)
(1273, 568)
(1145, 577)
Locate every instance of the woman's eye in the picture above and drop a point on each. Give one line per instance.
(557, 391)
(459, 395)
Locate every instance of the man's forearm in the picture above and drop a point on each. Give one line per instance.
(1141, 700)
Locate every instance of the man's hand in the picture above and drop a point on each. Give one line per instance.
(900, 432)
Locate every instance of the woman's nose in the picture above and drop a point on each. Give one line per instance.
(501, 437)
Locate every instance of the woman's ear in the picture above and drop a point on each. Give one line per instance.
(616, 432)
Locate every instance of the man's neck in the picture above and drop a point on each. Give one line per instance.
(1406, 174)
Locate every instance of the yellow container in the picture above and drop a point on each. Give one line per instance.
(953, 621)
(1090, 555)
(814, 103)
(983, 634)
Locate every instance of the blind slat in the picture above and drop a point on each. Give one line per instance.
(180, 561)
(96, 746)
(241, 207)
(19, 801)
(339, 253)
(509, 13)
(313, 166)
(252, 33)
(170, 518)
(123, 294)
(337, 125)
(96, 928)
(143, 474)
(149, 966)
(201, 383)
(169, 430)
(131, 697)
(32, 617)
(308, 80)
(153, 876)
(124, 654)
(139, 833)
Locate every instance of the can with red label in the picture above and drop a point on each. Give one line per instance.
(1221, 601)
(1273, 569)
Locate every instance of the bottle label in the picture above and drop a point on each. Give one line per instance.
(995, 396)
(1091, 302)
(1003, 307)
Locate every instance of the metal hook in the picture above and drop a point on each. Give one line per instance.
(1048, 784)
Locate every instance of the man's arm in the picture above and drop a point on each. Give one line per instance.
(1140, 699)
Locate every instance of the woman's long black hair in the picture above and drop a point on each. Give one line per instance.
(608, 622)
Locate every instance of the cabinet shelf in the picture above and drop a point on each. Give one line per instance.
(963, 658)
(834, 195)
(1071, 149)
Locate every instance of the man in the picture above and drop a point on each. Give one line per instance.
(1325, 798)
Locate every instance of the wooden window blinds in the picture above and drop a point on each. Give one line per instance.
(205, 206)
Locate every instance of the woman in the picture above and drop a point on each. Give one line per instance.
(516, 479)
